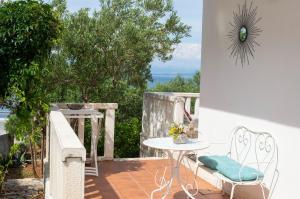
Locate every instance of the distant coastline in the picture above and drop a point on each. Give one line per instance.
(165, 77)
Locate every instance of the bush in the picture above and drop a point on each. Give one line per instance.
(127, 139)
(5, 162)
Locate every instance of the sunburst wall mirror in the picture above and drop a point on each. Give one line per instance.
(244, 32)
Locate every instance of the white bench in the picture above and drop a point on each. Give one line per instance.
(252, 157)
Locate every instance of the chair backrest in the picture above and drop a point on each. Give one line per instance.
(256, 149)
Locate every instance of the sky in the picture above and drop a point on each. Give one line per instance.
(187, 55)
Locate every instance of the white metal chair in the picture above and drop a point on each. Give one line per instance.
(257, 150)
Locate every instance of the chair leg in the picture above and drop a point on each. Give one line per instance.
(223, 188)
(263, 191)
(232, 191)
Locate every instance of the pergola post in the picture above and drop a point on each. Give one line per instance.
(109, 134)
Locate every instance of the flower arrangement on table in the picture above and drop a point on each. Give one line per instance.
(177, 132)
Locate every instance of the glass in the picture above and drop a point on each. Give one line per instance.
(243, 34)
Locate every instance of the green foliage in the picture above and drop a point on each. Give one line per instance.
(127, 139)
(105, 56)
(5, 162)
(27, 32)
(22, 129)
(3, 171)
(180, 84)
(100, 53)
(27, 29)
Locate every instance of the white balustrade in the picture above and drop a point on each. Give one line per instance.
(64, 170)
(160, 109)
(65, 160)
(109, 110)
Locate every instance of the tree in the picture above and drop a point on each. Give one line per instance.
(114, 46)
(105, 56)
(28, 30)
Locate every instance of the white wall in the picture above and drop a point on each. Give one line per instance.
(65, 160)
(264, 95)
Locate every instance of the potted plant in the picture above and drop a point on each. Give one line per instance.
(176, 131)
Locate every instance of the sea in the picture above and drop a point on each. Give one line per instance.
(163, 78)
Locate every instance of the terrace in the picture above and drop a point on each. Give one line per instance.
(134, 179)
(117, 178)
(70, 172)
(249, 77)
(263, 96)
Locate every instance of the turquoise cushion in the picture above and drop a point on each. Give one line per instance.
(231, 168)
(213, 161)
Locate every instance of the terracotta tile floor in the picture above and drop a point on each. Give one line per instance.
(135, 180)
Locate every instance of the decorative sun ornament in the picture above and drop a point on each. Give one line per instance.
(244, 33)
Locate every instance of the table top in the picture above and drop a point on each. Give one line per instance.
(166, 143)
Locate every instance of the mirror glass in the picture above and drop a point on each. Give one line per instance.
(243, 34)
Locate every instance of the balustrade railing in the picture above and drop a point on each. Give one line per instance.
(65, 160)
(64, 164)
(160, 109)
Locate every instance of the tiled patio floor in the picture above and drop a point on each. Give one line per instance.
(135, 180)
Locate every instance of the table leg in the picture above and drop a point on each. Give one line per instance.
(163, 183)
(175, 174)
(186, 187)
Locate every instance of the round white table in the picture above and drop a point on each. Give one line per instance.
(166, 144)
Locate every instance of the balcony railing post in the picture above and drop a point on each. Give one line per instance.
(178, 115)
(197, 105)
(188, 102)
(81, 129)
(109, 134)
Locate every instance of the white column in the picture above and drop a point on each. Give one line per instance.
(188, 105)
(109, 134)
(94, 141)
(178, 114)
(81, 129)
(197, 105)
